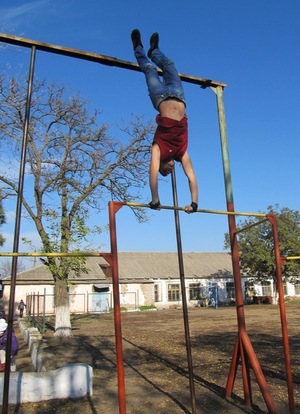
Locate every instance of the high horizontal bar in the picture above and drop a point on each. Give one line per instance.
(51, 254)
(95, 57)
(231, 213)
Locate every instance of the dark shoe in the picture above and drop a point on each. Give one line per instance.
(136, 38)
(153, 43)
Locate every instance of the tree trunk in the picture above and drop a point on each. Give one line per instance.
(62, 309)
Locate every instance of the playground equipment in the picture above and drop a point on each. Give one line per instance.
(243, 351)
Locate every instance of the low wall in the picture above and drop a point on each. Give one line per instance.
(32, 337)
(69, 381)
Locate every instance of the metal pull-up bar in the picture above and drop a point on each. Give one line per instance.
(95, 57)
(217, 88)
(199, 210)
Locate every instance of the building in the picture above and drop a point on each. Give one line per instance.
(146, 279)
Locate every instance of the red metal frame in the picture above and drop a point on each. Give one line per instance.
(112, 259)
(243, 351)
(273, 220)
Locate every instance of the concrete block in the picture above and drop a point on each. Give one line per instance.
(69, 381)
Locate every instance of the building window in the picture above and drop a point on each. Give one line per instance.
(297, 287)
(230, 289)
(285, 291)
(266, 288)
(157, 292)
(173, 292)
(195, 291)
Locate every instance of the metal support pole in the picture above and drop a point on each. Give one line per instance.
(17, 234)
(113, 208)
(183, 294)
(44, 311)
(230, 207)
(243, 348)
(285, 337)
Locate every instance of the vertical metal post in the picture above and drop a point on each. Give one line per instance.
(230, 207)
(183, 294)
(33, 312)
(285, 337)
(117, 308)
(234, 257)
(243, 347)
(17, 234)
(44, 312)
(38, 305)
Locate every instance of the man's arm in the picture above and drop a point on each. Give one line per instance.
(189, 172)
(153, 174)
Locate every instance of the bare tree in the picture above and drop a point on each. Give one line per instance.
(5, 268)
(72, 164)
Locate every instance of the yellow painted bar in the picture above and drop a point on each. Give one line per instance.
(233, 213)
(292, 258)
(52, 254)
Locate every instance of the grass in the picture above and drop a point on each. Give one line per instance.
(146, 308)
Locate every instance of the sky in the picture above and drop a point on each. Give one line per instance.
(251, 46)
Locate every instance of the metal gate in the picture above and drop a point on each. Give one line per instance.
(100, 302)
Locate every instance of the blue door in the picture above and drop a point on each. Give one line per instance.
(101, 302)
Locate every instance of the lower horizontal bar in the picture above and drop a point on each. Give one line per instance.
(232, 213)
(51, 254)
(292, 258)
(251, 225)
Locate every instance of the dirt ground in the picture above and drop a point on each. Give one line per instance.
(156, 369)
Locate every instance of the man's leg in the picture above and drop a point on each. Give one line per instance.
(156, 88)
(171, 78)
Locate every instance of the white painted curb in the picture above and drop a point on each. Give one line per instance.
(69, 381)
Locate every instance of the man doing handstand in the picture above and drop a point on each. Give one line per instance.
(171, 137)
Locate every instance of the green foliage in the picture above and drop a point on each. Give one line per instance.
(146, 308)
(122, 309)
(292, 301)
(256, 244)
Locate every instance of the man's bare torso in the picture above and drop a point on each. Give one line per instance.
(172, 109)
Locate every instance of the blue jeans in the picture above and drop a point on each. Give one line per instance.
(159, 91)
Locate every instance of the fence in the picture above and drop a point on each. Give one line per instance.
(40, 306)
